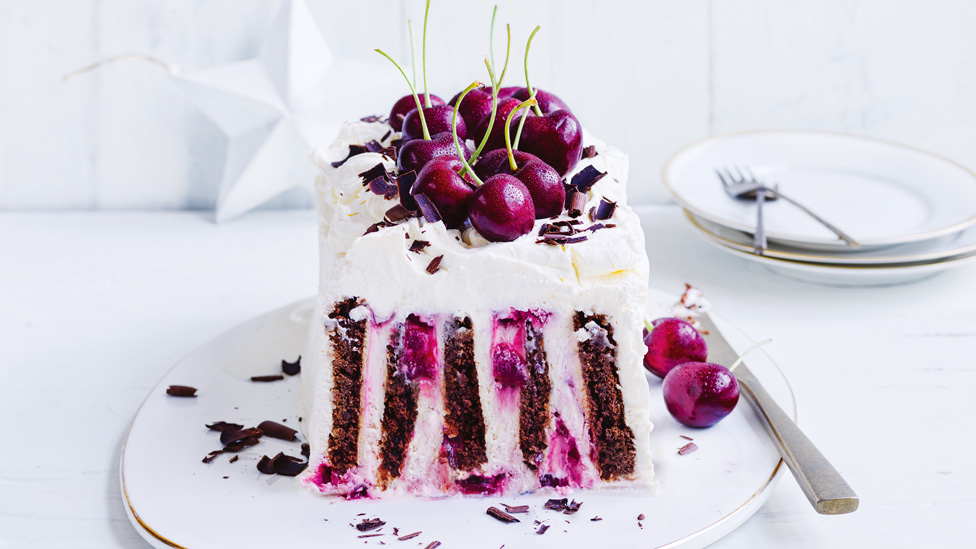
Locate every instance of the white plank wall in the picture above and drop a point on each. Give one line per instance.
(648, 76)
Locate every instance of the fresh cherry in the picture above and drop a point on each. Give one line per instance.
(477, 105)
(548, 102)
(451, 193)
(556, 138)
(438, 120)
(406, 104)
(496, 139)
(415, 154)
(496, 161)
(672, 341)
(700, 394)
(502, 209)
(545, 186)
(506, 92)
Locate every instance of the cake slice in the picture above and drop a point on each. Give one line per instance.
(443, 364)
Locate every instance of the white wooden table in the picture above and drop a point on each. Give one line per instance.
(96, 307)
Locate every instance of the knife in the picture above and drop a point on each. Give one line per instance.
(827, 491)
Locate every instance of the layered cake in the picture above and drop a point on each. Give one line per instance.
(479, 327)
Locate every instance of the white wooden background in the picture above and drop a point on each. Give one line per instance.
(647, 75)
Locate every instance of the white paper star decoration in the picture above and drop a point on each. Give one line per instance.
(271, 108)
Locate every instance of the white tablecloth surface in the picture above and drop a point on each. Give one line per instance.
(96, 307)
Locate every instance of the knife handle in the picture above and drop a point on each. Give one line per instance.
(827, 491)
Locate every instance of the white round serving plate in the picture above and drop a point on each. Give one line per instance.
(955, 246)
(881, 193)
(175, 500)
(838, 275)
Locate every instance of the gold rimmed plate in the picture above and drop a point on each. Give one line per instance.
(175, 500)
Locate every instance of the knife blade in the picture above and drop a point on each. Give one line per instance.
(823, 485)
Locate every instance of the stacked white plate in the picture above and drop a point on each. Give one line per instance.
(913, 212)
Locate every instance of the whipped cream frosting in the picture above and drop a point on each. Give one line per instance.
(606, 274)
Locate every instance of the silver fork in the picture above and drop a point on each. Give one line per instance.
(745, 185)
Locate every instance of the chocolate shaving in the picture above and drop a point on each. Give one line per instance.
(377, 226)
(181, 391)
(275, 377)
(372, 173)
(501, 515)
(576, 204)
(640, 516)
(381, 186)
(213, 455)
(427, 208)
(516, 508)
(372, 118)
(434, 264)
(418, 246)
(224, 426)
(354, 150)
(409, 536)
(396, 214)
(605, 210)
(291, 368)
(264, 465)
(233, 458)
(596, 519)
(287, 466)
(404, 183)
(591, 214)
(686, 438)
(277, 430)
(433, 545)
(556, 504)
(373, 146)
(369, 524)
(306, 450)
(369, 535)
(542, 529)
(687, 448)
(587, 178)
(572, 507)
(387, 135)
(589, 152)
(229, 437)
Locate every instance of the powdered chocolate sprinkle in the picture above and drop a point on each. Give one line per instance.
(277, 430)
(434, 264)
(418, 246)
(501, 515)
(605, 210)
(396, 214)
(427, 208)
(181, 391)
(369, 524)
(687, 448)
(291, 368)
(409, 536)
(587, 178)
(265, 379)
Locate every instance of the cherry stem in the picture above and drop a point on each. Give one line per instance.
(528, 86)
(508, 122)
(424, 61)
(413, 54)
(494, 110)
(649, 326)
(491, 38)
(518, 133)
(508, 49)
(457, 144)
(420, 109)
(749, 350)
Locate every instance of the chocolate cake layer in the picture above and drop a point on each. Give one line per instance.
(347, 339)
(614, 440)
(534, 398)
(399, 412)
(464, 423)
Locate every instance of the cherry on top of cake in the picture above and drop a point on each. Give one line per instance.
(527, 141)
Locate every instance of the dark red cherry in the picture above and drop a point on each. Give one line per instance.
(450, 192)
(438, 120)
(700, 394)
(415, 154)
(497, 138)
(548, 102)
(406, 104)
(545, 186)
(672, 341)
(501, 209)
(476, 105)
(496, 161)
(506, 92)
(556, 138)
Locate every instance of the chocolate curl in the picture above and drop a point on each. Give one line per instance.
(587, 178)
(605, 210)
(576, 204)
(427, 208)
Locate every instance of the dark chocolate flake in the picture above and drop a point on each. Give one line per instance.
(589, 152)
(576, 204)
(596, 519)
(181, 391)
(265, 379)
(516, 508)
(640, 516)
(501, 515)
(687, 448)
(433, 545)
(212, 455)
(434, 264)
(291, 368)
(381, 186)
(373, 146)
(264, 465)
(305, 449)
(686, 438)
(572, 507)
(369, 524)
(556, 504)
(418, 246)
(372, 118)
(277, 430)
(396, 214)
(404, 183)
(370, 535)
(354, 150)
(605, 210)
(372, 173)
(408, 536)
(377, 226)
(231, 439)
(587, 178)
(224, 426)
(233, 458)
(287, 466)
(542, 529)
(427, 208)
